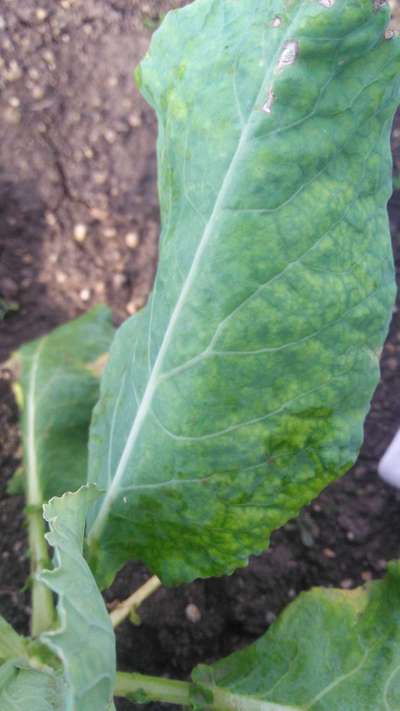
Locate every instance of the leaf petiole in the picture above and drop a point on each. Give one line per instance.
(43, 611)
(132, 603)
(140, 688)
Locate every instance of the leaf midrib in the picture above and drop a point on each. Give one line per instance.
(153, 380)
(34, 489)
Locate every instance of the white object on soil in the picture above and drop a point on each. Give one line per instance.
(389, 465)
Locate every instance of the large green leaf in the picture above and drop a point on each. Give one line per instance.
(240, 391)
(331, 650)
(58, 389)
(85, 640)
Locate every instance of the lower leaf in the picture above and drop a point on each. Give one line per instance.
(85, 640)
(331, 650)
(25, 689)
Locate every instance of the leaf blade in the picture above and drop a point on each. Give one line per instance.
(11, 644)
(22, 687)
(85, 640)
(57, 391)
(330, 650)
(242, 395)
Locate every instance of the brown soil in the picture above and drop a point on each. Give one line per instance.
(79, 225)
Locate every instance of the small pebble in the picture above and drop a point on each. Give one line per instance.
(110, 136)
(98, 214)
(329, 553)
(12, 116)
(37, 92)
(110, 232)
(131, 308)
(346, 584)
(270, 617)
(85, 294)
(366, 576)
(134, 120)
(80, 233)
(132, 240)
(135, 305)
(48, 56)
(100, 178)
(193, 613)
(41, 14)
(13, 72)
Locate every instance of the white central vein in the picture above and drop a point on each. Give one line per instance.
(153, 381)
(34, 488)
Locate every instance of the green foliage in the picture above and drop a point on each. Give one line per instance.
(240, 391)
(85, 639)
(31, 677)
(57, 390)
(11, 644)
(23, 688)
(331, 650)
(23, 685)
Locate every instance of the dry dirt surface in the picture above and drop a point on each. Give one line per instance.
(79, 226)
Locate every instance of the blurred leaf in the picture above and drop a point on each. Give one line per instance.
(58, 388)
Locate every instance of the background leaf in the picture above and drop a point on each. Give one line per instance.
(85, 640)
(240, 391)
(331, 650)
(58, 389)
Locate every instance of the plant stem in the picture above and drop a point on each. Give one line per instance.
(132, 603)
(142, 689)
(43, 613)
(152, 688)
